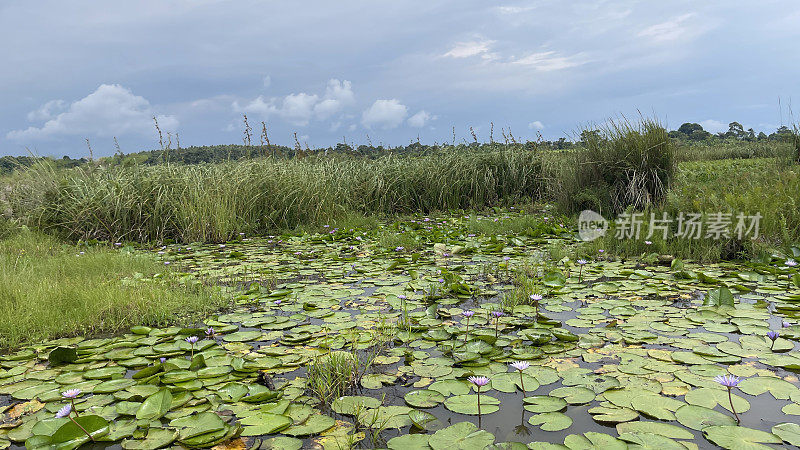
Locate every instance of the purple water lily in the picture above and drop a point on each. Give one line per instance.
(479, 382)
(730, 382)
(520, 366)
(773, 336)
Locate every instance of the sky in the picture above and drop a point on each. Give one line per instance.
(383, 72)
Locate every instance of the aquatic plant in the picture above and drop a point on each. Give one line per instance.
(773, 336)
(468, 315)
(192, 340)
(730, 382)
(479, 382)
(581, 263)
(497, 315)
(536, 298)
(520, 366)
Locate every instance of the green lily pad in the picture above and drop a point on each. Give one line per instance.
(551, 421)
(461, 436)
(735, 437)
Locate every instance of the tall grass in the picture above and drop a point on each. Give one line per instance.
(215, 202)
(49, 289)
(624, 164)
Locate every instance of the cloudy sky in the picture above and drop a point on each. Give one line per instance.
(393, 71)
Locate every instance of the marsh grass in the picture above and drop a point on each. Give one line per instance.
(625, 164)
(215, 202)
(49, 289)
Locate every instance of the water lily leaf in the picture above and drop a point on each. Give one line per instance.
(351, 404)
(615, 414)
(155, 406)
(509, 382)
(386, 417)
(735, 437)
(425, 398)
(264, 423)
(315, 424)
(700, 417)
(778, 387)
(656, 406)
(468, 404)
(551, 421)
(156, 438)
(662, 429)
(409, 442)
(73, 432)
(721, 296)
(544, 403)
(593, 440)
(461, 436)
(574, 395)
(644, 440)
(450, 387)
(424, 420)
(789, 432)
(282, 443)
(197, 424)
(62, 355)
(711, 397)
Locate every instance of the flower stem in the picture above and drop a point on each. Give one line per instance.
(730, 398)
(466, 335)
(479, 402)
(73, 407)
(81, 427)
(522, 384)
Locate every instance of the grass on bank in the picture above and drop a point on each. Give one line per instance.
(49, 289)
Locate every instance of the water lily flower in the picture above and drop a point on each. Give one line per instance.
(506, 258)
(277, 302)
(467, 314)
(71, 393)
(210, 332)
(785, 324)
(730, 382)
(399, 249)
(162, 359)
(773, 336)
(192, 340)
(497, 315)
(581, 263)
(479, 382)
(791, 263)
(402, 297)
(520, 366)
(648, 242)
(535, 298)
(64, 412)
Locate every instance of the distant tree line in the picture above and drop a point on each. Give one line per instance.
(687, 132)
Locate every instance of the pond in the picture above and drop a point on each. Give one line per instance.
(380, 338)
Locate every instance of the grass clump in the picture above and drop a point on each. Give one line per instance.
(49, 290)
(622, 165)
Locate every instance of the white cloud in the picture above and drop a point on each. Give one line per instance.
(267, 81)
(385, 114)
(714, 126)
(419, 119)
(48, 110)
(513, 10)
(670, 30)
(111, 110)
(472, 48)
(549, 61)
(536, 125)
(338, 95)
(300, 109)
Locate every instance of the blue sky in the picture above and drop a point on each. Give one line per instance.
(392, 71)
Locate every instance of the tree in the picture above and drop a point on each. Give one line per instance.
(735, 129)
(694, 131)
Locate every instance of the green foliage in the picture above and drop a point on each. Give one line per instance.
(49, 289)
(625, 164)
